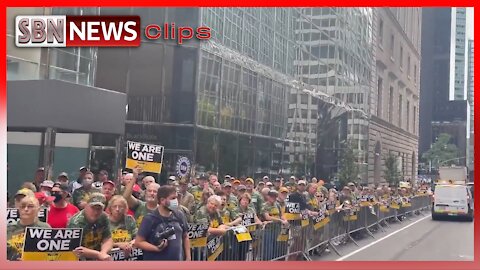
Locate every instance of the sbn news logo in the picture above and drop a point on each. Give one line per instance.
(97, 31)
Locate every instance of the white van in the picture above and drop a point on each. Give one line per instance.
(452, 200)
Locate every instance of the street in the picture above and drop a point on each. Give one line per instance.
(419, 239)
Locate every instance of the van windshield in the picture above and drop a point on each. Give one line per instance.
(450, 192)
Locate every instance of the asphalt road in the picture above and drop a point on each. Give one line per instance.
(418, 239)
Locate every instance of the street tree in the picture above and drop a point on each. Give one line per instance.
(348, 164)
(442, 152)
(392, 175)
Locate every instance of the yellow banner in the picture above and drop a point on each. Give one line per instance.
(322, 223)
(241, 237)
(289, 216)
(282, 238)
(49, 256)
(305, 222)
(384, 208)
(198, 242)
(217, 252)
(145, 165)
(350, 218)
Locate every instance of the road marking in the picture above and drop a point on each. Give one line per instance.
(381, 239)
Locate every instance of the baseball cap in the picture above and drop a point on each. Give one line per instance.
(82, 168)
(273, 193)
(47, 183)
(136, 188)
(261, 183)
(109, 182)
(292, 177)
(249, 180)
(97, 199)
(269, 184)
(227, 184)
(63, 174)
(24, 192)
(41, 197)
(302, 182)
(265, 177)
(241, 187)
(236, 181)
(62, 186)
(350, 184)
(283, 189)
(278, 179)
(40, 169)
(172, 178)
(227, 176)
(203, 176)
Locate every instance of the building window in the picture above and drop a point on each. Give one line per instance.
(380, 32)
(379, 97)
(414, 120)
(415, 73)
(392, 46)
(408, 115)
(408, 66)
(390, 105)
(401, 57)
(400, 111)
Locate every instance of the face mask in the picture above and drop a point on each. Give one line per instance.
(173, 204)
(87, 182)
(58, 197)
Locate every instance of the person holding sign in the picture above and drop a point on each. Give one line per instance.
(141, 208)
(163, 234)
(97, 237)
(209, 214)
(28, 208)
(122, 226)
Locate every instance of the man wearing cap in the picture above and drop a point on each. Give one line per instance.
(82, 194)
(63, 178)
(200, 189)
(108, 189)
(78, 183)
(257, 199)
(227, 178)
(260, 186)
(277, 184)
(271, 212)
(171, 179)
(44, 200)
(60, 210)
(39, 177)
(46, 187)
(282, 197)
(102, 177)
(22, 193)
(269, 185)
(241, 189)
(235, 184)
(187, 199)
(96, 236)
(232, 201)
(212, 179)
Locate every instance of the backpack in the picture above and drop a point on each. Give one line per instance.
(159, 224)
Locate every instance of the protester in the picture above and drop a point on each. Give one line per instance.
(96, 236)
(28, 208)
(277, 184)
(108, 189)
(30, 186)
(232, 201)
(63, 178)
(102, 177)
(78, 183)
(39, 177)
(187, 199)
(209, 214)
(46, 187)
(61, 210)
(122, 226)
(139, 207)
(152, 237)
(22, 193)
(81, 194)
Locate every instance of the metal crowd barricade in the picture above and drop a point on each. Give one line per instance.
(275, 241)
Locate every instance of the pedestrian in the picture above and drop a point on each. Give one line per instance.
(139, 207)
(63, 178)
(209, 214)
(39, 177)
(78, 183)
(22, 193)
(102, 177)
(96, 236)
(163, 234)
(187, 198)
(61, 210)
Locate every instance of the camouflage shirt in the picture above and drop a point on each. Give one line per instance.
(93, 234)
(232, 205)
(202, 216)
(80, 194)
(15, 237)
(125, 230)
(140, 211)
(272, 209)
(257, 202)
(226, 216)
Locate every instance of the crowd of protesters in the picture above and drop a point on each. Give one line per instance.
(135, 211)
